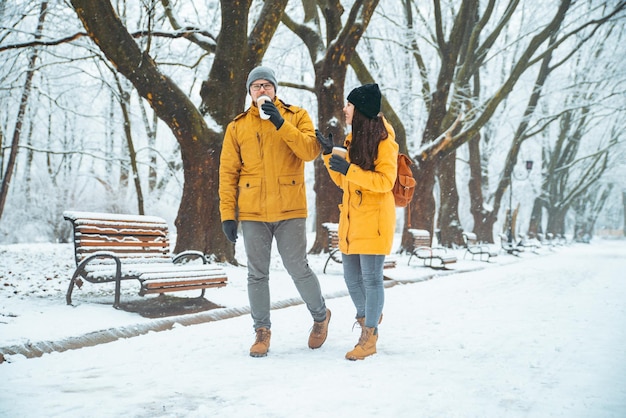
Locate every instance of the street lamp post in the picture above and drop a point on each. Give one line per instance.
(529, 167)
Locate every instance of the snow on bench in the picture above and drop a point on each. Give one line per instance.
(422, 249)
(111, 248)
(475, 248)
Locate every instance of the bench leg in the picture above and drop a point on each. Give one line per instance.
(118, 283)
(331, 255)
(68, 295)
(327, 261)
(116, 302)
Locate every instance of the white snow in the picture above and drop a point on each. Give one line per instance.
(542, 335)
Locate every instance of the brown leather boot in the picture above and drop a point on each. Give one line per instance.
(361, 320)
(366, 345)
(262, 344)
(319, 332)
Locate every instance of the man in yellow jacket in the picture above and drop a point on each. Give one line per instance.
(262, 187)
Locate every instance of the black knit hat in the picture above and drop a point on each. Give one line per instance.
(366, 99)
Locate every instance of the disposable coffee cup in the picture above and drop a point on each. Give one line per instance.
(340, 151)
(259, 101)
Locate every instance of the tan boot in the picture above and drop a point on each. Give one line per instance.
(262, 344)
(366, 345)
(319, 332)
(361, 320)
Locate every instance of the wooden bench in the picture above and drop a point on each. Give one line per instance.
(549, 240)
(559, 239)
(112, 248)
(423, 250)
(544, 241)
(532, 244)
(475, 248)
(510, 247)
(332, 230)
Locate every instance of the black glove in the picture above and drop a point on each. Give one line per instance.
(230, 230)
(275, 117)
(339, 164)
(326, 143)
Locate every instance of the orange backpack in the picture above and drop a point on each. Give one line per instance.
(404, 187)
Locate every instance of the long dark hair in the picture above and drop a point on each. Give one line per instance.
(366, 135)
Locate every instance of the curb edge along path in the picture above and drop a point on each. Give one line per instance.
(37, 349)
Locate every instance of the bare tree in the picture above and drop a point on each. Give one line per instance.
(462, 55)
(587, 209)
(124, 99)
(198, 209)
(26, 92)
(330, 53)
(568, 174)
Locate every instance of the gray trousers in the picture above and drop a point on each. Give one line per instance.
(291, 243)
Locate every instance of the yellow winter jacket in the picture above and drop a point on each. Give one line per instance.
(262, 169)
(367, 216)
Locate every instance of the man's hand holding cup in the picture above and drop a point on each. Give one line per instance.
(259, 102)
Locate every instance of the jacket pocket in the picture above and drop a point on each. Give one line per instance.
(250, 199)
(292, 192)
(364, 213)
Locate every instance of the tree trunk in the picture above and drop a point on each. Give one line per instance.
(30, 73)
(327, 194)
(483, 218)
(422, 208)
(151, 133)
(624, 212)
(449, 223)
(534, 227)
(28, 162)
(556, 221)
(198, 221)
(124, 102)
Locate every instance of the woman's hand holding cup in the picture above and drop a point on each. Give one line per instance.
(340, 151)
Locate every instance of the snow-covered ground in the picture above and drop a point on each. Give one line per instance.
(542, 335)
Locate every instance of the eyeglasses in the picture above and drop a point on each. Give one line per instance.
(264, 86)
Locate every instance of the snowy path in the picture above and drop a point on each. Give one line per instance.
(545, 337)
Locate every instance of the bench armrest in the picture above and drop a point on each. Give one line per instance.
(480, 247)
(80, 270)
(100, 254)
(429, 250)
(191, 254)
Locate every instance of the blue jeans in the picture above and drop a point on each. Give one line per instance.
(290, 238)
(363, 274)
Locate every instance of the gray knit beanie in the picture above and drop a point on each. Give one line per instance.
(261, 73)
(366, 99)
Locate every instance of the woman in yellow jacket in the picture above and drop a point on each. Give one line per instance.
(367, 211)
